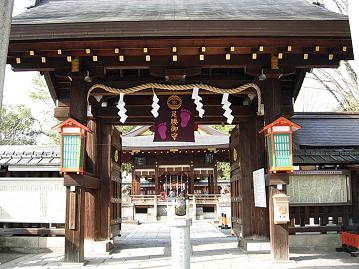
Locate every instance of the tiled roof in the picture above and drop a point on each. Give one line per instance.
(326, 138)
(327, 129)
(326, 156)
(25, 155)
(69, 11)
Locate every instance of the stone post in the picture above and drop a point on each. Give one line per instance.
(5, 23)
(181, 243)
(194, 208)
(155, 208)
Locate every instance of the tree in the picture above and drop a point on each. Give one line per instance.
(17, 126)
(224, 170)
(341, 83)
(40, 94)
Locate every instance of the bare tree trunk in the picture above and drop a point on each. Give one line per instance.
(5, 23)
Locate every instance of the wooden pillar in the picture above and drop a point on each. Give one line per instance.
(215, 179)
(355, 196)
(191, 180)
(92, 218)
(157, 181)
(75, 196)
(136, 185)
(90, 215)
(104, 132)
(74, 230)
(274, 106)
(209, 184)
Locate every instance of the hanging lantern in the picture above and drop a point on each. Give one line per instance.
(279, 144)
(72, 146)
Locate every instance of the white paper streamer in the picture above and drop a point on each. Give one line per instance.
(155, 105)
(228, 112)
(198, 102)
(122, 110)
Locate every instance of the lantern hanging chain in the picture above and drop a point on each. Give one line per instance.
(185, 87)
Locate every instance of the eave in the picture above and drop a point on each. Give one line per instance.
(247, 28)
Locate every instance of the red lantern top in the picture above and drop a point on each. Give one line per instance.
(71, 126)
(281, 125)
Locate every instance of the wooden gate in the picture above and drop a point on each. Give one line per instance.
(236, 199)
(115, 186)
(247, 155)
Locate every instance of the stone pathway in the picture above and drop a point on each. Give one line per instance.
(148, 246)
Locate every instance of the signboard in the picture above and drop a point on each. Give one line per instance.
(259, 188)
(332, 187)
(175, 122)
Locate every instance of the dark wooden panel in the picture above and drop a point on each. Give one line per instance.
(104, 173)
(85, 181)
(74, 232)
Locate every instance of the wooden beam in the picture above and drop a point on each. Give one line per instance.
(62, 113)
(219, 120)
(85, 181)
(50, 81)
(135, 112)
(78, 100)
(211, 61)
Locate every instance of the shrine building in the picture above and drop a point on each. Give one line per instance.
(175, 66)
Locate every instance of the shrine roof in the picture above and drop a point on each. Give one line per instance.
(326, 138)
(327, 129)
(31, 157)
(158, 18)
(63, 11)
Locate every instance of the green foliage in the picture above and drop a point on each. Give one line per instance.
(125, 129)
(17, 126)
(126, 167)
(224, 170)
(226, 129)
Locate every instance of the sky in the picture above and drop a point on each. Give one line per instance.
(18, 84)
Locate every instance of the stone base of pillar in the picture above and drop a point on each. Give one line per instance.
(98, 247)
(254, 245)
(180, 243)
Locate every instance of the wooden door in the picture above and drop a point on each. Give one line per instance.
(115, 185)
(236, 199)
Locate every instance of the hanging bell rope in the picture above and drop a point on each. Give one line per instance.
(183, 87)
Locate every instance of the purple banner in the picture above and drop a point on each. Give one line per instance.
(175, 121)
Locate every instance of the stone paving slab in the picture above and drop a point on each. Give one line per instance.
(147, 246)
